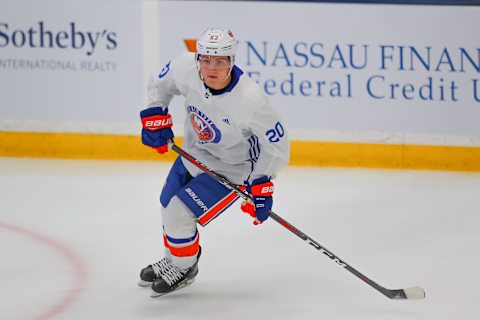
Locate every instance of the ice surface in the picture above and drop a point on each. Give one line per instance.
(75, 234)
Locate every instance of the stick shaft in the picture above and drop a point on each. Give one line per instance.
(392, 294)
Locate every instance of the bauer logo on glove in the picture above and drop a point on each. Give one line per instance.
(157, 122)
(157, 128)
(261, 203)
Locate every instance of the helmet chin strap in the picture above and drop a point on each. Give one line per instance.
(228, 75)
(224, 79)
(229, 71)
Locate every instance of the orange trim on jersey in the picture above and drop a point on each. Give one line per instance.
(212, 213)
(187, 251)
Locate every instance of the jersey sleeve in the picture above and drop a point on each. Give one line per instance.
(162, 85)
(273, 151)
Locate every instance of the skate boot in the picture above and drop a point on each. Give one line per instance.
(154, 272)
(174, 279)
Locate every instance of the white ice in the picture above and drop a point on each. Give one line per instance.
(75, 234)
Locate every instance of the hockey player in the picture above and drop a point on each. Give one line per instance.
(231, 128)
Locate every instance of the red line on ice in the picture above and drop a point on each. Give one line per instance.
(73, 259)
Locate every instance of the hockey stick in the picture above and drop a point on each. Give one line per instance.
(413, 293)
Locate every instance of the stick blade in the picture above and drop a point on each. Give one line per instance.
(413, 293)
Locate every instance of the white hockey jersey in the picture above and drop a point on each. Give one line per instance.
(234, 131)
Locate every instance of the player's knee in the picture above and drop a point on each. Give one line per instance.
(177, 219)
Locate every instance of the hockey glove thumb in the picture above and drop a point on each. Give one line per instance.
(261, 190)
(157, 128)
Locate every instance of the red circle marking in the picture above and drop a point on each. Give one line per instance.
(69, 255)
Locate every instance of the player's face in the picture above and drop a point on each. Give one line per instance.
(215, 71)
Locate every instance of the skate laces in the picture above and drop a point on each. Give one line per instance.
(161, 266)
(174, 274)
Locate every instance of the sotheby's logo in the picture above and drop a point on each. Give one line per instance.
(40, 35)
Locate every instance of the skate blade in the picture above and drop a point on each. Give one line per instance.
(155, 294)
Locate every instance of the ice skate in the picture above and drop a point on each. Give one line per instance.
(174, 279)
(154, 271)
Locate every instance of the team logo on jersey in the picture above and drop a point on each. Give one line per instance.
(206, 130)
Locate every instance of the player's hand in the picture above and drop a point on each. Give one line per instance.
(157, 128)
(259, 207)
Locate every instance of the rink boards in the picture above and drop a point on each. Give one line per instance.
(308, 153)
(370, 91)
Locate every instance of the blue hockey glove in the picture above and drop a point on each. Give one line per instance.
(157, 128)
(261, 190)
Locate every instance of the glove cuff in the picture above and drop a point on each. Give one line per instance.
(154, 111)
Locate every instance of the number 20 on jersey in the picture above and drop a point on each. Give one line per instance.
(275, 134)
